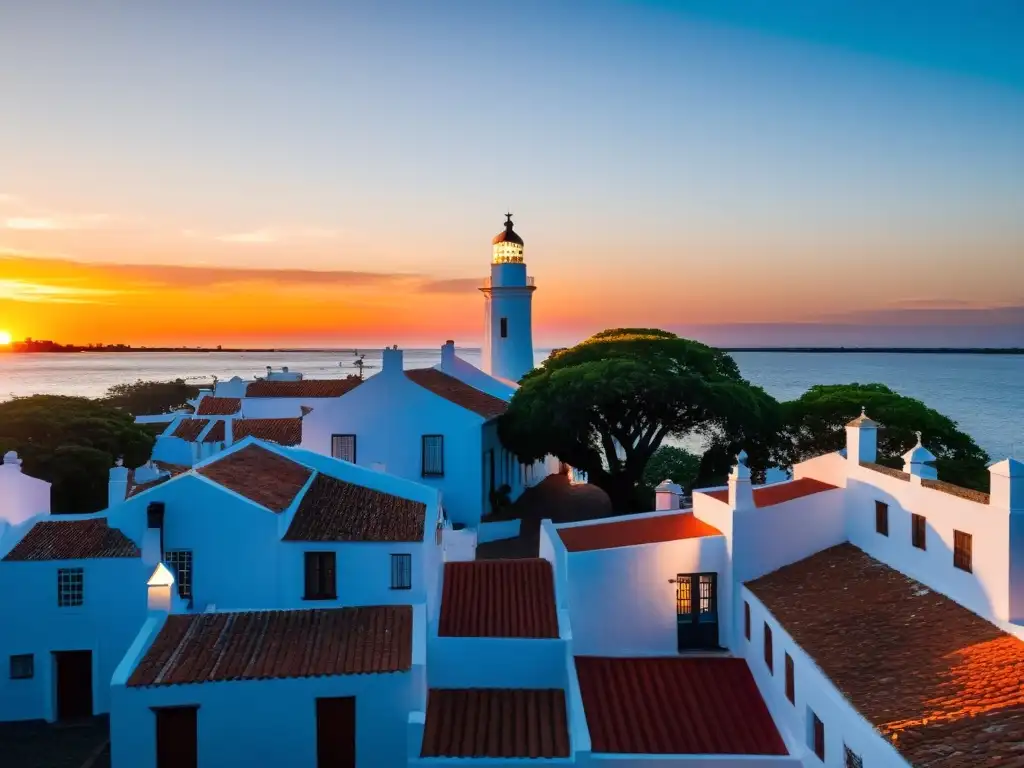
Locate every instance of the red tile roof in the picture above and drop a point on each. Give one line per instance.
(219, 406)
(777, 493)
(458, 392)
(675, 706)
(190, 429)
(498, 598)
(304, 388)
(644, 530)
(334, 510)
(216, 434)
(496, 722)
(261, 645)
(280, 431)
(72, 540)
(259, 475)
(944, 685)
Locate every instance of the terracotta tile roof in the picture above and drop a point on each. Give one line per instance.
(190, 429)
(645, 530)
(281, 431)
(259, 475)
(260, 645)
(777, 493)
(688, 706)
(458, 392)
(217, 433)
(334, 510)
(72, 540)
(498, 598)
(219, 406)
(496, 722)
(303, 388)
(946, 686)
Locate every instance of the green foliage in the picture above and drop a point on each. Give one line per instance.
(814, 424)
(144, 398)
(72, 442)
(671, 463)
(631, 388)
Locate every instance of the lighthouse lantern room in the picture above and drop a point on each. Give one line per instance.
(508, 315)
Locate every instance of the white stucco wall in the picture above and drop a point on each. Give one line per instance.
(389, 414)
(814, 692)
(21, 496)
(113, 609)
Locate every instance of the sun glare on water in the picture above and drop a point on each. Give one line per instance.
(5, 338)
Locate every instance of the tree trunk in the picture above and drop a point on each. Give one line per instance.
(623, 491)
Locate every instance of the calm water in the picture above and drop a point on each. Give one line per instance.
(984, 393)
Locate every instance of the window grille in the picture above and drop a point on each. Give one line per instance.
(433, 455)
(180, 563)
(401, 571)
(70, 587)
(344, 447)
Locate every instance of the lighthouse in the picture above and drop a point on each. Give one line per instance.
(508, 312)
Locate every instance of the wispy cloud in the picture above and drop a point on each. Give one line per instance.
(272, 235)
(82, 221)
(20, 290)
(256, 236)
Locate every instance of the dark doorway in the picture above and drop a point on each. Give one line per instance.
(74, 684)
(336, 732)
(697, 611)
(177, 742)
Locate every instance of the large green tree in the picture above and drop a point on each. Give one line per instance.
(72, 442)
(814, 425)
(605, 406)
(143, 398)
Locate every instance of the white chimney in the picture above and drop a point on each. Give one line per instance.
(162, 597)
(919, 463)
(666, 496)
(11, 462)
(153, 536)
(117, 486)
(448, 355)
(741, 492)
(391, 361)
(1006, 494)
(862, 440)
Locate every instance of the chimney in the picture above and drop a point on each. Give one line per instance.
(862, 440)
(153, 538)
(11, 462)
(284, 369)
(1006, 494)
(391, 361)
(448, 355)
(666, 496)
(919, 463)
(117, 486)
(741, 492)
(162, 597)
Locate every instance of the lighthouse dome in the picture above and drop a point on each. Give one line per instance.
(508, 246)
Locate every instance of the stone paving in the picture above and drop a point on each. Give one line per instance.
(38, 744)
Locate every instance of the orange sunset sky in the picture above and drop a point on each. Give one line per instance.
(164, 181)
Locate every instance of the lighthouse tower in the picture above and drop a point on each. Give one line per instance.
(508, 314)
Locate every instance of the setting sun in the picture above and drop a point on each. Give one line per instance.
(5, 338)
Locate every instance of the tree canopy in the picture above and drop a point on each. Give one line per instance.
(814, 424)
(605, 406)
(72, 442)
(143, 398)
(670, 462)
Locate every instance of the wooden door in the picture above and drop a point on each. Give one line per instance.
(336, 732)
(74, 684)
(177, 742)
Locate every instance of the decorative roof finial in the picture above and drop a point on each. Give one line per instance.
(742, 458)
(918, 433)
(120, 461)
(863, 411)
(508, 221)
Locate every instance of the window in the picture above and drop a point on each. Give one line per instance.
(917, 531)
(344, 447)
(180, 563)
(882, 518)
(790, 680)
(70, 587)
(22, 666)
(851, 759)
(769, 656)
(963, 549)
(818, 737)
(504, 327)
(321, 582)
(746, 620)
(433, 455)
(401, 571)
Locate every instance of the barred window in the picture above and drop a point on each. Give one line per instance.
(433, 455)
(401, 571)
(180, 563)
(344, 447)
(70, 587)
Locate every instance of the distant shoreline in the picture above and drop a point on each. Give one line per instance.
(351, 350)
